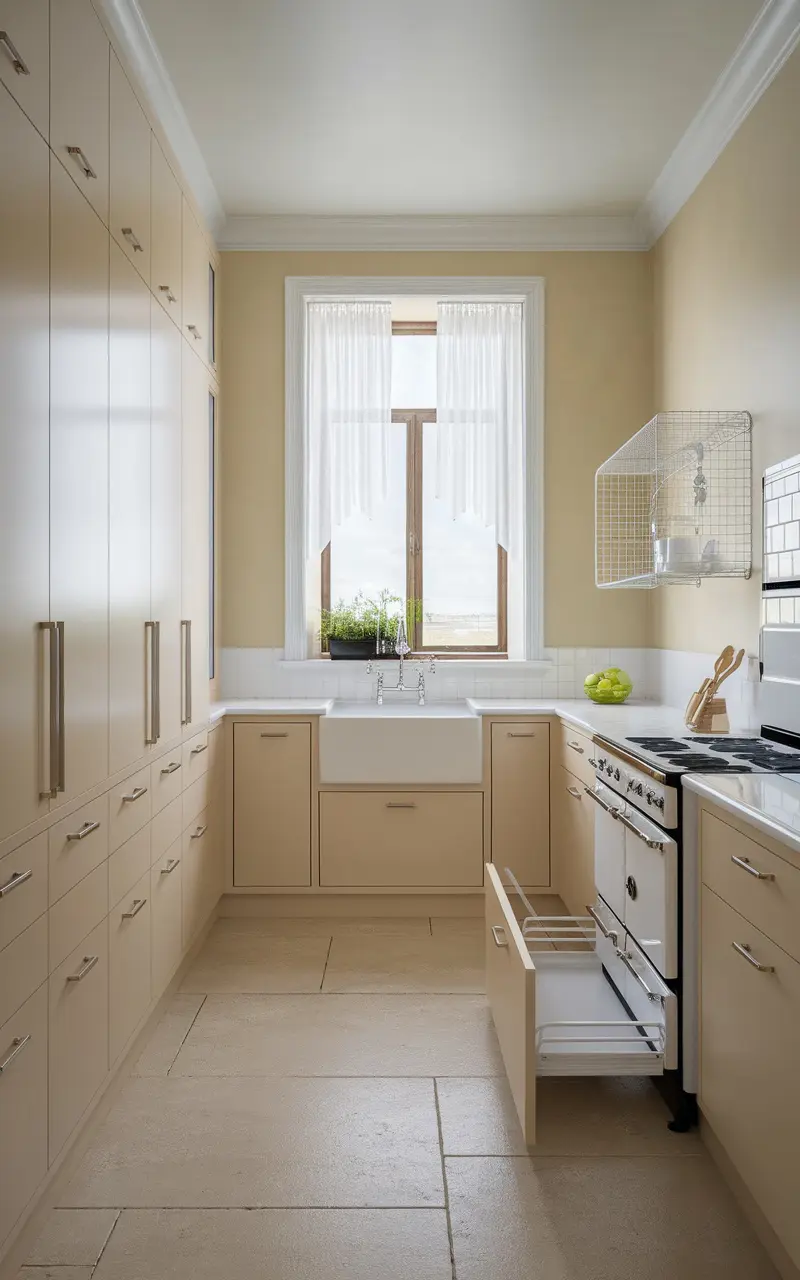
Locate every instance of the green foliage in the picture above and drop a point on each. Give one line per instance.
(363, 618)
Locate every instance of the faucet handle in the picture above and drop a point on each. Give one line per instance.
(432, 665)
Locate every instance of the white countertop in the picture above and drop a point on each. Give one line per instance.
(270, 707)
(631, 717)
(768, 801)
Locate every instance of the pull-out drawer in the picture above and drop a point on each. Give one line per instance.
(195, 758)
(556, 1013)
(166, 879)
(76, 846)
(576, 753)
(129, 808)
(78, 1031)
(23, 1107)
(23, 888)
(166, 780)
(128, 965)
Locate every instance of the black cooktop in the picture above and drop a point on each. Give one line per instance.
(722, 754)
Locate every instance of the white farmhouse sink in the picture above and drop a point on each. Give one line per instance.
(400, 742)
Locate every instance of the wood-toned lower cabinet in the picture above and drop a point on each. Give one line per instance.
(166, 946)
(520, 782)
(78, 1048)
(23, 1107)
(128, 965)
(572, 842)
(272, 805)
(196, 848)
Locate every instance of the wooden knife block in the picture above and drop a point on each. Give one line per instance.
(713, 718)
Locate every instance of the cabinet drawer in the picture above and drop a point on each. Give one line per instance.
(129, 182)
(195, 800)
(195, 758)
(196, 849)
(166, 944)
(129, 808)
(77, 845)
(79, 65)
(23, 967)
(730, 862)
(166, 780)
(78, 912)
(128, 965)
(749, 1047)
(23, 1107)
(23, 888)
(78, 1034)
(390, 839)
(521, 801)
(572, 834)
(25, 63)
(575, 753)
(128, 864)
(166, 828)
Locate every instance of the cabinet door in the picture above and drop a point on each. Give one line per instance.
(129, 192)
(79, 475)
(79, 62)
(749, 1047)
(78, 1034)
(129, 537)
(272, 804)
(128, 965)
(166, 202)
(165, 512)
(23, 1108)
(166, 923)
(197, 850)
(25, 59)
(195, 284)
(520, 802)
(573, 842)
(195, 558)
(24, 457)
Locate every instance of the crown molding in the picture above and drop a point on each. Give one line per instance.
(765, 48)
(431, 233)
(129, 26)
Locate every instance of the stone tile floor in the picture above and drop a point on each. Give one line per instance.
(325, 1099)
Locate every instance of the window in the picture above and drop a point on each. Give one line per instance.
(212, 531)
(412, 547)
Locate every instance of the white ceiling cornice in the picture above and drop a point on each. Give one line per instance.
(763, 51)
(433, 232)
(130, 28)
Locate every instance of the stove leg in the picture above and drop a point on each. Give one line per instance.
(685, 1114)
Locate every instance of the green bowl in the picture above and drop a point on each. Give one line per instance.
(607, 696)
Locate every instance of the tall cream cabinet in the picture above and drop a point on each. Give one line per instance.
(79, 98)
(25, 57)
(520, 804)
(195, 504)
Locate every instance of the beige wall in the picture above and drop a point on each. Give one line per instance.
(598, 368)
(727, 331)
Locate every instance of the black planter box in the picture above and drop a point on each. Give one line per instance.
(352, 650)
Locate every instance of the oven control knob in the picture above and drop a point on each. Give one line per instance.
(650, 795)
(630, 886)
(639, 789)
(659, 802)
(616, 774)
(631, 784)
(600, 763)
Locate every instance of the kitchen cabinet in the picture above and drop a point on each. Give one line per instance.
(195, 539)
(79, 101)
(272, 805)
(197, 850)
(196, 315)
(166, 214)
(130, 677)
(128, 965)
(25, 63)
(79, 493)
(24, 456)
(572, 841)
(166, 919)
(23, 886)
(165, 513)
(78, 1034)
(520, 783)
(77, 845)
(129, 180)
(23, 1107)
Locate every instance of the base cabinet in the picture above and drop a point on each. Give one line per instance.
(166, 923)
(572, 842)
(272, 805)
(129, 965)
(23, 1107)
(78, 1034)
(520, 826)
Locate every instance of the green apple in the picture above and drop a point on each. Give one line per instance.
(604, 684)
(624, 680)
(591, 681)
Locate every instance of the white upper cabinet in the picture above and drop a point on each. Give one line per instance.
(24, 452)
(25, 57)
(195, 285)
(79, 63)
(129, 199)
(166, 270)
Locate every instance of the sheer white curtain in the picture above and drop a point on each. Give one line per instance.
(480, 457)
(349, 356)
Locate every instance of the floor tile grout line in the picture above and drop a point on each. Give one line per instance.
(325, 966)
(249, 1208)
(108, 1237)
(448, 1219)
(188, 1030)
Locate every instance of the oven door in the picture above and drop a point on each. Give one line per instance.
(651, 889)
(609, 847)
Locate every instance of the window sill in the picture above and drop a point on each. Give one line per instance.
(500, 667)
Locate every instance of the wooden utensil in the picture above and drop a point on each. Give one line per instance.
(694, 701)
(699, 699)
(730, 670)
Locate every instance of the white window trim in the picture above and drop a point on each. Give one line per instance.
(300, 290)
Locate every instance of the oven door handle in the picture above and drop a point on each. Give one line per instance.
(631, 826)
(615, 813)
(625, 957)
(611, 934)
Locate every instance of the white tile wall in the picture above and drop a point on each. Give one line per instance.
(674, 675)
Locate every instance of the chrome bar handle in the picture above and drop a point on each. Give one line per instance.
(17, 1045)
(17, 878)
(186, 628)
(574, 746)
(198, 833)
(88, 964)
(573, 791)
(197, 751)
(62, 745)
(22, 70)
(599, 800)
(743, 949)
(499, 935)
(169, 295)
(284, 734)
(194, 331)
(156, 687)
(651, 844)
(172, 767)
(136, 794)
(50, 781)
(151, 738)
(170, 867)
(747, 866)
(396, 804)
(520, 735)
(79, 156)
(83, 831)
(136, 907)
(611, 934)
(625, 957)
(133, 239)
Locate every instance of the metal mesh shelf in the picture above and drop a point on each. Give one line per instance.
(673, 505)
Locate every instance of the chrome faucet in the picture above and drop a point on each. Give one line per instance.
(401, 648)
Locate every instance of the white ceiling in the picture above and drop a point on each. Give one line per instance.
(358, 107)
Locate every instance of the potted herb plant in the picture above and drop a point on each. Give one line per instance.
(364, 628)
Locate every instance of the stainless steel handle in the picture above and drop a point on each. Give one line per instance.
(138, 903)
(747, 866)
(599, 800)
(62, 745)
(17, 1045)
(573, 746)
(21, 70)
(194, 331)
(200, 831)
(395, 804)
(520, 735)
(742, 949)
(186, 628)
(573, 791)
(285, 734)
(88, 964)
(170, 867)
(151, 633)
(611, 934)
(198, 751)
(17, 878)
(165, 289)
(133, 240)
(50, 781)
(626, 822)
(136, 794)
(499, 935)
(625, 957)
(172, 767)
(85, 830)
(83, 164)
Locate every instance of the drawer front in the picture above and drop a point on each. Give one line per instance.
(128, 864)
(166, 780)
(23, 967)
(27, 25)
(272, 804)
(511, 992)
(166, 828)
(195, 850)
(521, 801)
(23, 1107)
(195, 800)
(129, 808)
(390, 839)
(78, 1034)
(23, 888)
(749, 1047)
(166, 925)
(77, 913)
(77, 845)
(729, 861)
(576, 752)
(572, 830)
(195, 758)
(128, 965)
